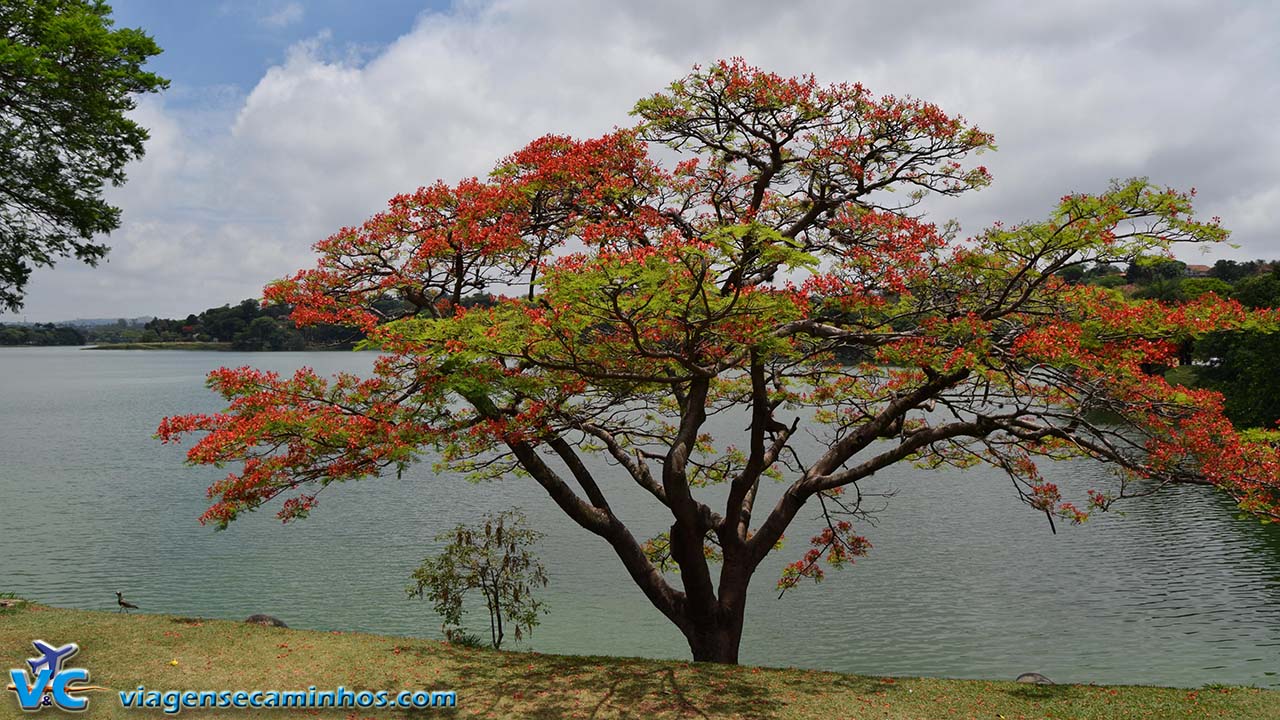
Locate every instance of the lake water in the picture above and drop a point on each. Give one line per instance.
(963, 580)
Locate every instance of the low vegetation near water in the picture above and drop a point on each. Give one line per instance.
(173, 653)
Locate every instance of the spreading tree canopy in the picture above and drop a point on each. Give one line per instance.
(776, 272)
(67, 81)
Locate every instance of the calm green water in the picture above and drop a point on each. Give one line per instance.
(963, 580)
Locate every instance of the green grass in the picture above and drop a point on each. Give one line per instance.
(162, 346)
(172, 653)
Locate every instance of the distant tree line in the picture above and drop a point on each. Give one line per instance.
(245, 326)
(1245, 365)
(121, 331)
(40, 334)
(253, 326)
(248, 325)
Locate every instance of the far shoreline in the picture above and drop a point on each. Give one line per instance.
(202, 347)
(221, 346)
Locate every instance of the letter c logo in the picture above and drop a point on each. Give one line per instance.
(61, 696)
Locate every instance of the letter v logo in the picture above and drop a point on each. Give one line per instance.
(29, 695)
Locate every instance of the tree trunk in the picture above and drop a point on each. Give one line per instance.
(717, 641)
(717, 644)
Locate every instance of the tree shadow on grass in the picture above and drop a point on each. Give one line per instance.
(505, 684)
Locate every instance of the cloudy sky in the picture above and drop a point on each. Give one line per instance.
(287, 119)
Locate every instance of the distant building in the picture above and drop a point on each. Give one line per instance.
(1198, 270)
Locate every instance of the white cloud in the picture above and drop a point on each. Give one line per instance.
(283, 16)
(1075, 93)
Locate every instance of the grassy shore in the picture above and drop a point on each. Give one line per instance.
(162, 346)
(172, 653)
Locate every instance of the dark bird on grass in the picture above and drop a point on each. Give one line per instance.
(125, 605)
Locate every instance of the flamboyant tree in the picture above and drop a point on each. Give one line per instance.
(777, 270)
